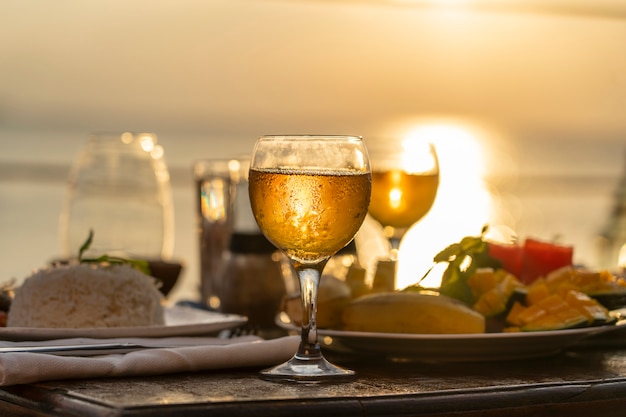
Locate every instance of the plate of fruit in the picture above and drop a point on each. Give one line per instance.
(493, 304)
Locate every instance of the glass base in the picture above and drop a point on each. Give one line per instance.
(308, 371)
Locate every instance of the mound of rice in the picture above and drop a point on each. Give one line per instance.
(83, 295)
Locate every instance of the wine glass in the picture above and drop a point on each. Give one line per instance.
(119, 187)
(405, 180)
(309, 195)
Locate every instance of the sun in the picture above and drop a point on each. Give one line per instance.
(462, 207)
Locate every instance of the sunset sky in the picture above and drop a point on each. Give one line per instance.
(506, 88)
(238, 68)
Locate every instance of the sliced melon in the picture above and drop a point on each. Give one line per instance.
(536, 291)
(556, 312)
(492, 290)
(606, 288)
(596, 313)
(568, 318)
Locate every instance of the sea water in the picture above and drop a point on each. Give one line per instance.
(573, 207)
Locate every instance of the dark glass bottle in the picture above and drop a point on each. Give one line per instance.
(252, 283)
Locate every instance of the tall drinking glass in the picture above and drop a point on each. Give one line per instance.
(309, 195)
(405, 180)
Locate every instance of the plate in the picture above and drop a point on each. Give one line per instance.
(179, 321)
(454, 347)
(614, 338)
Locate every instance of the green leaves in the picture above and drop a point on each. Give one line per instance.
(463, 259)
(86, 245)
(467, 246)
(110, 260)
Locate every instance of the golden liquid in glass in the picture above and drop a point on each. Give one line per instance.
(309, 215)
(400, 199)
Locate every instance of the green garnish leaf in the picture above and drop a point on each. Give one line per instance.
(138, 264)
(85, 245)
(463, 259)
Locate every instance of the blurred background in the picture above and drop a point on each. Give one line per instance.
(525, 100)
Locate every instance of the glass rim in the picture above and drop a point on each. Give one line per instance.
(291, 137)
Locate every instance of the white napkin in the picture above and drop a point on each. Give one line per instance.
(188, 355)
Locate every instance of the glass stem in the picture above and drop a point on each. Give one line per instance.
(394, 241)
(309, 277)
(395, 247)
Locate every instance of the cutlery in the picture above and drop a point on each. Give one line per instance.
(79, 350)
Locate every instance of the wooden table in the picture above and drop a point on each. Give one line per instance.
(584, 382)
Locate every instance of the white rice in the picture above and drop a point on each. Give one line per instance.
(83, 295)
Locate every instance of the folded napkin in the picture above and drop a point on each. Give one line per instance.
(178, 354)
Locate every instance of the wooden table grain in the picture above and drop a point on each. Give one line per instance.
(583, 382)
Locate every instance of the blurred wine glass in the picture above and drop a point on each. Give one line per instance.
(119, 187)
(405, 180)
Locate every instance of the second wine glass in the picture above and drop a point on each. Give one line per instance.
(309, 195)
(405, 180)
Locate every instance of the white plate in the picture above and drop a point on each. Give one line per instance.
(455, 347)
(179, 321)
